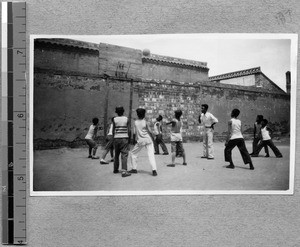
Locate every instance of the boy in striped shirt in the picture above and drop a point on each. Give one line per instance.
(121, 139)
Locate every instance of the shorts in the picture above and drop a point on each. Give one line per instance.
(91, 143)
(177, 146)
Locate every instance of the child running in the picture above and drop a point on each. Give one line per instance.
(176, 138)
(109, 147)
(142, 136)
(90, 139)
(235, 138)
(266, 140)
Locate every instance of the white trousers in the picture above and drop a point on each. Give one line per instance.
(134, 155)
(208, 150)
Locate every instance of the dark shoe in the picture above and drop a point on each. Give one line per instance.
(230, 166)
(279, 156)
(95, 157)
(116, 171)
(165, 153)
(103, 162)
(210, 158)
(133, 171)
(112, 160)
(184, 163)
(251, 167)
(90, 156)
(125, 174)
(203, 157)
(267, 156)
(171, 165)
(251, 154)
(154, 173)
(156, 153)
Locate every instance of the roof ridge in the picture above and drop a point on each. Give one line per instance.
(236, 73)
(175, 60)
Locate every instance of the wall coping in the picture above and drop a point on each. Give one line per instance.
(234, 74)
(154, 58)
(69, 43)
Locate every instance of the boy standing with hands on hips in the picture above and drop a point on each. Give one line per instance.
(208, 121)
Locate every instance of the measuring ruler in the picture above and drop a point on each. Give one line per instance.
(13, 122)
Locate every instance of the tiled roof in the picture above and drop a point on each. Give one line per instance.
(235, 74)
(174, 61)
(69, 43)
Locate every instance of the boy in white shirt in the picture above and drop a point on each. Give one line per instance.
(176, 138)
(142, 136)
(90, 139)
(266, 140)
(235, 138)
(208, 121)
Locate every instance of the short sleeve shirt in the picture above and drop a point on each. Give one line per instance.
(208, 119)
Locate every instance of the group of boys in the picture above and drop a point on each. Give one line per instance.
(118, 139)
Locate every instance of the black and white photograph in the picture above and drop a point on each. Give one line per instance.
(163, 114)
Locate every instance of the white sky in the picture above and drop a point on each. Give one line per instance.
(223, 53)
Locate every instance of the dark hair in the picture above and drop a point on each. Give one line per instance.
(95, 120)
(265, 121)
(140, 113)
(205, 106)
(159, 118)
(178, 113)
(259, 118)
(235, 112)
(120, 110)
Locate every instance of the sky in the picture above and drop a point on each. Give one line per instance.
(224, 53)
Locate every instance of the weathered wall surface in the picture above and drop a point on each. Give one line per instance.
(248, 80)
(74, 84)
(221, 100)
(64, 106)
(265, 83)
(120, 61)
(175, 73)
(58, 57)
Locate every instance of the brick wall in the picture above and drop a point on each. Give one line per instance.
(74, 84)
(265, 83)
(221, 100)
(65, 104)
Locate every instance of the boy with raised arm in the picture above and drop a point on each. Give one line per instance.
(176, 138)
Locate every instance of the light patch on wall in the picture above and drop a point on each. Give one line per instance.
(246, 81)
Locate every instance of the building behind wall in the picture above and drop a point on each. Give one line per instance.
(75, 81)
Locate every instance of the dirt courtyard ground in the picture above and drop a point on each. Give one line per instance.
(69, 169)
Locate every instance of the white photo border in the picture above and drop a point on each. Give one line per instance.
(293, 59)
